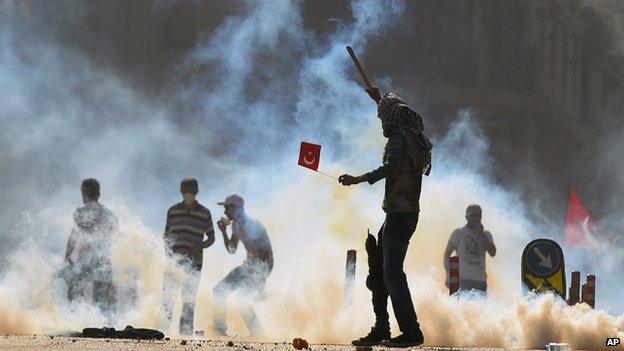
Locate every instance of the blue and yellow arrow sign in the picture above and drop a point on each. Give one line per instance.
(543, 267)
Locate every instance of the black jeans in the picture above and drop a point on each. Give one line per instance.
(389, 279)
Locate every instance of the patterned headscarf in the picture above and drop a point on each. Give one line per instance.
(397, 117)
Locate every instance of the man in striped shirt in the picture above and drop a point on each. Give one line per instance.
(187, 223)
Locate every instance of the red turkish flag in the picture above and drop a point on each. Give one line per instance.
(310, 155)
(579, 226)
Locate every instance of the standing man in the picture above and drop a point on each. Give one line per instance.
(187, 223)
(407, 156)
(471, 242)
(88, 252)
(249, 277)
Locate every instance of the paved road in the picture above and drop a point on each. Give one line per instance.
(46, 342)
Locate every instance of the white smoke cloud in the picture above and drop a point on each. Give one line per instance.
(268, 86)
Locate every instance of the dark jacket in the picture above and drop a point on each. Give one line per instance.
(403, 180)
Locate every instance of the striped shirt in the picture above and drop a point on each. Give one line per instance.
(185, 229)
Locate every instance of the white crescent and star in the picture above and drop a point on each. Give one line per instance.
(589, 236)
(306, 161)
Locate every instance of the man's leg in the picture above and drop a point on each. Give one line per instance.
(249, 315)
(219, 301)
(170, 290)
(375, 283)
(72, 278)
(378, 287)
(253, 279)
(189, 294)
(397, 232)
(102, 287)
(102, 291)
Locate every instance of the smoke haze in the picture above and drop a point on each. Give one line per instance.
(247, 94)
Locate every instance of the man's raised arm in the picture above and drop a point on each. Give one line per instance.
(230, 244)
(489, 243)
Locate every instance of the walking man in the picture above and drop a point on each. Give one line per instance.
(187, 223)
(88, 252)
(407, 156)
(471, 242)
(249, 278)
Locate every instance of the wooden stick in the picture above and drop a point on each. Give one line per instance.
(325, 174)
(359, 67)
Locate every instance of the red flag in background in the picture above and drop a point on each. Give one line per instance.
(310, 155)
(579, 226)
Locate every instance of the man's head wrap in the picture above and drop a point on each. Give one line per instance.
(397, 117)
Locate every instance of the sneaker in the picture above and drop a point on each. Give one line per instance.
(375, 337)
(405, 340)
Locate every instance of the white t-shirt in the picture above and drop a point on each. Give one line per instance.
(471, 250)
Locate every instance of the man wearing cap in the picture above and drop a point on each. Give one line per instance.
(88, 252)
(250, 277)
(187, 223)
(470, 242)
(407, 156)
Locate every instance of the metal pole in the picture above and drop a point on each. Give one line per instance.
(454, 275)
(349, 277)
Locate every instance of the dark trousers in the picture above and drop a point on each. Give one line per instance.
(386, 276)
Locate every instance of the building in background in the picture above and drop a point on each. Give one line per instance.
(540, 76)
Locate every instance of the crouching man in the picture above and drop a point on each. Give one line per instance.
(249, 278)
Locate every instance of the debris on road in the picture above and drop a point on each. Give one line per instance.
(300, 344)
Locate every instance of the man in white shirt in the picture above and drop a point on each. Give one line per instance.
(470, 242)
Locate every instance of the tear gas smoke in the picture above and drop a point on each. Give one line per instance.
(270, 86)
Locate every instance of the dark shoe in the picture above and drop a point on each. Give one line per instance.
(405, 340)
(375, 337)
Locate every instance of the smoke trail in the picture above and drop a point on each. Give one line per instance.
(270, 85)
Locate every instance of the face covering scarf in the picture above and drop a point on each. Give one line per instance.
(397, 117)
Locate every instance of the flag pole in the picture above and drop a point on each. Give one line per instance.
(327, 175)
